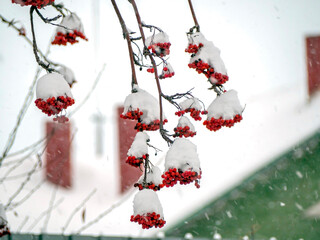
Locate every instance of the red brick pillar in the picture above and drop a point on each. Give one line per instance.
(126, 133)
(313, 64)
(58, 164)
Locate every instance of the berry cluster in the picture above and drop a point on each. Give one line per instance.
(70, 37)
(149, 185)
(216, 124)
(38, 3)
(152, 126)
(148, 220)
(193, 48)
(183, 132)
(194, 113)
(160, 49)
(54, 106)
(166, 73)
(61, 119)
(132, 115)
(136, 161)
(172, 176)
(4, 230)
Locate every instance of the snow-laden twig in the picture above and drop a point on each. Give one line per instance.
(23, 183)
(22, 224)
(105, 213)
(43, 214)
(50, 208)
(77, 209)
(90, 92)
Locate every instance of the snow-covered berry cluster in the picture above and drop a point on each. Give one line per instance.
(53, 94)
(192, 106)
(184, 128)
(167, 71)
(159, 44)
(173, 176)
(151, 180)
(36, 3)
(205, 59)
(224, 111)
(143, 107)
(138, 152)
(136, 161)
(147, 209)
(71, 28)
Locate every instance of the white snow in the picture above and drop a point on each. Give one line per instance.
(191, 103)
(147, 201)
(160, 37)
(52, 85)
(154, 176)
(208, 53)
(184, 121)
(71, 22)
(67, 73)
(146, 103)
(139, 145)
(226, 106)
(182, 155)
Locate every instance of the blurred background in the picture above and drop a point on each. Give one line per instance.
(259, 178)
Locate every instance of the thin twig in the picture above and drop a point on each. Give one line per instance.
(127, 37)
(22, 224)
(197, 26)
(106, 212)
(77, 209)
(50, 208)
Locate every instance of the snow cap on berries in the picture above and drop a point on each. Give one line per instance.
(190, 103)
(226, 106)
(160, 37)
(147, 201)
(71, 22)
(184, 122)
(68, 75)
(183, 155)
(139, 145)
(145, 102)
(52, 85)
(167, 71)
(153, 176)
(3, 217)
(36, 3)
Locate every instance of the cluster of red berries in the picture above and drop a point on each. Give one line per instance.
(183, 132)
(166, 73)
(37, 3)
(216, 124)
(150, 70)
(195, 114)
(4, 230)
(61, 119)
(63, 39)
(148, 220)
(149, 185)
(172, 176)
(132, 115)
(160, 49)
(193, 48)
(136, 162)
(152, 126)
(208, 71)
(54, 106)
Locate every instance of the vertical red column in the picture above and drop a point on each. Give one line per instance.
(126, 133)
(58, 164)
(313, 64)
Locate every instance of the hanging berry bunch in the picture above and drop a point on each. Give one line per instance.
(224, 111)
(53, 95)
(138, 151)
(192, 106)
(69, 30)
(159, 44)
(4, 229)
(184, 128)
(182, 164)
(167, 71)
(205, 58)
(36, 3)
(143, 107)
(151, 179)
